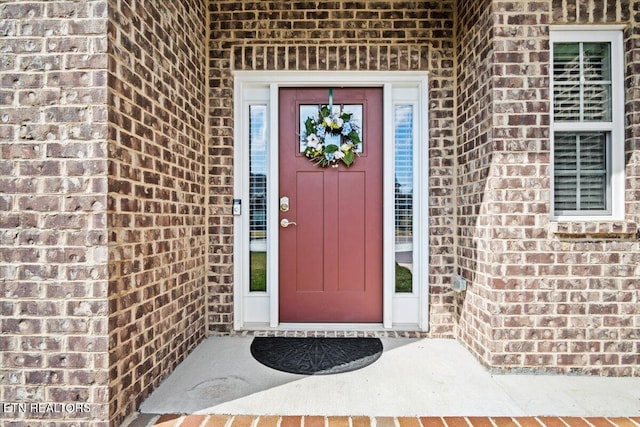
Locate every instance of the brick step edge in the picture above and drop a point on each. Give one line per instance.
(181, 420)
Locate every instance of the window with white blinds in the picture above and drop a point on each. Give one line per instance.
(584, 129)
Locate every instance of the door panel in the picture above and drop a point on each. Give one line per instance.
(331, 260)
(351, 232)
(309, 237)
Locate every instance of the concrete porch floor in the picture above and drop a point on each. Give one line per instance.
(412, 378)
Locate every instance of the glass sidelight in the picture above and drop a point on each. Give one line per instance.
(403, 211)
(258, 197)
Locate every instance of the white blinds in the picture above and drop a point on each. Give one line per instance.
(258, 172)
(582, 82)
(580, 165)
(404, 172)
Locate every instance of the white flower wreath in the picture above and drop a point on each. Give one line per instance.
(329, 123)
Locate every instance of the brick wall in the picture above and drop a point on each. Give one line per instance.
(475, 60)
(157, 192)
(329, 35)
(53, 228)
(632, 96)
(557, 296)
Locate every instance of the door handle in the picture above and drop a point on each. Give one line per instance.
(284, 223)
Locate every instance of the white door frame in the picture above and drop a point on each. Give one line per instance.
(260, 310)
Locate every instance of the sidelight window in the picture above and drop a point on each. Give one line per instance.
(403, 212)
(258, 198)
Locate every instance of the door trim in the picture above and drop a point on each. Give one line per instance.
(259, 310)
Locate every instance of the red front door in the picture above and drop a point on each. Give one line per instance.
(330, 262)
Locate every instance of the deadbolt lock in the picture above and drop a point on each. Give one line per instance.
(284, 204)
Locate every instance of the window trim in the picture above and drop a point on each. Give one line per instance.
(586, 34)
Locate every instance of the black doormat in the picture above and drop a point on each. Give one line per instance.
(319, 356)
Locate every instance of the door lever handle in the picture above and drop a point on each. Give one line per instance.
(284, 223)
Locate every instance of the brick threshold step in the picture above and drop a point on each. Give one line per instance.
(176, 420)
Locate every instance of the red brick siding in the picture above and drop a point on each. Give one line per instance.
(558, 296)
(157, 193)
(590, 11)
(632, 109)
(176, 420)
(53, 223)
(328, 35)
(474, 115)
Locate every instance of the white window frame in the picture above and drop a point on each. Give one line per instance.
(595, 33)
(260, 310)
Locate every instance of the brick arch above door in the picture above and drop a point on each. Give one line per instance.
(332, 57)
